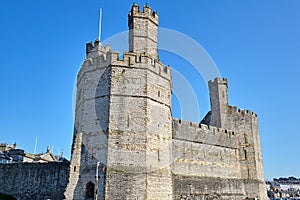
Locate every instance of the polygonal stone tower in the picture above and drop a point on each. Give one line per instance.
(123, 119)
(245, 123)
(124, 131)
(143, 31)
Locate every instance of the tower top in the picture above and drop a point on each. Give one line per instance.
(147, 12)
(218, 80)
(96, 48)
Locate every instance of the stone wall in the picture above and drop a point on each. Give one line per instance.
(245, 124)
(91, 123)
(205, 162)
(139, 137)
(201, 133)
(34, 181)
(207, 188)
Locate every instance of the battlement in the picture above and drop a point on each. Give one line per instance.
(132, 59)
(96, 48)
(145, 13)
(218, 80)
(234, 109)
(180, 122)
(101, 57)
(201, 133)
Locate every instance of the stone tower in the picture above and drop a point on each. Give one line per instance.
(143, 31)
(245, 123)
(123, 119)
(218, 91)
(124, 130)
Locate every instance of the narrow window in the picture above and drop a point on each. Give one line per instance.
(82, 149)
(74, 168)
(89, 190)
(93, 153)
(158, 156)
(245, 136)
(158, 93)
(79, 94)
(127, 120)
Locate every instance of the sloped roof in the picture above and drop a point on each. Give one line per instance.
(3, 155)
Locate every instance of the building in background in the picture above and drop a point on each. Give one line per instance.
(11, 154)
(284, 188)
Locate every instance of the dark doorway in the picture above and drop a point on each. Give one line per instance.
(89, 190)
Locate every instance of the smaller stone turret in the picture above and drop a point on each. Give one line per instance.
(96, 49)
(143, 31)
(218, 90)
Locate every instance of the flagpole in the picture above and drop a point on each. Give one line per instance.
(100, 24)
(35, 145)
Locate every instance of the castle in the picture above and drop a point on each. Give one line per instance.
(124, 131)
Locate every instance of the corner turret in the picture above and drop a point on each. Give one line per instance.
(92, 50)
(143, 31)
(218, 90)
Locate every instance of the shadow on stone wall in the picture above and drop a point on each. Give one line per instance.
(34, 181)
(93, 144)
(6, 197)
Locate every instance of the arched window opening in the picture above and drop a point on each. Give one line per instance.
(89, 190)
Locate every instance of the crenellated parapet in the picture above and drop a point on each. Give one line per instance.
(214, 129)
(101, 57)
(234, 110)
(146, 13)
(95, 49)
(201, 133)
(143, 31)
(219, 80)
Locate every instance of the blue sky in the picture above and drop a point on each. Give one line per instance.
(255, 44)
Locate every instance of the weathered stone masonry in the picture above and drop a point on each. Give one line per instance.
(124, 121)
(34, 181)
